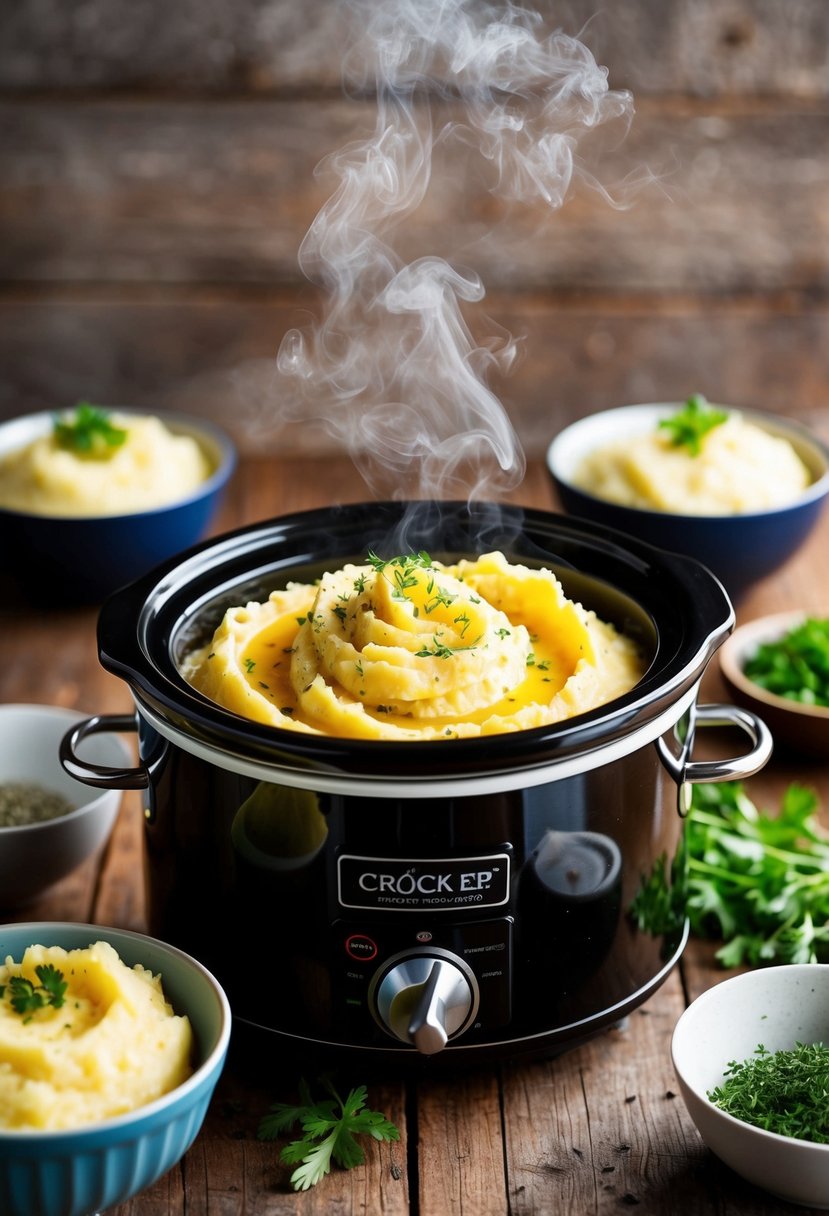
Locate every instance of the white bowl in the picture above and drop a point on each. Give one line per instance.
(778, 1007)
(36, 855)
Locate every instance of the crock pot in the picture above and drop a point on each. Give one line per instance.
(448, 900)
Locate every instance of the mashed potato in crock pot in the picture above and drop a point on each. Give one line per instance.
(413, 649)
(739, 468)
(113, 1044)
(150, 468)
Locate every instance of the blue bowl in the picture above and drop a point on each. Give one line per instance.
(78, 1172)
(739, 549)
(83, 559)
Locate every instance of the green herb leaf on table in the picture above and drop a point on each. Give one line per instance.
(89, 432)
(688, 427)
(759, 882)
(329, 1128)
(786, 1091)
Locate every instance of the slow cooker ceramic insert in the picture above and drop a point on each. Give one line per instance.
(452, 900)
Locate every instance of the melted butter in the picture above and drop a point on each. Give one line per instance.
(266, 666)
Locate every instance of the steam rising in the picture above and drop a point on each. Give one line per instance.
(393, 371)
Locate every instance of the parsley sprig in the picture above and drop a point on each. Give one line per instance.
(758, 881)
(329, 1126)
(688, 426)
(782, 1091)
(89, 432)
(26, 998)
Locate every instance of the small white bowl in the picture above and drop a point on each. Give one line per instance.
(778, 1007)
(36, 855)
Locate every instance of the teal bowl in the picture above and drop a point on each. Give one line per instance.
(94, 1167)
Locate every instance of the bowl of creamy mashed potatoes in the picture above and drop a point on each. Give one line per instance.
(111, 1045)
(740, 490)
(92, 497)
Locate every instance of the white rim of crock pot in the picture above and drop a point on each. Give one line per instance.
(419, 787)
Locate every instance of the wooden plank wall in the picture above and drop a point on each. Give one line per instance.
(157, 176)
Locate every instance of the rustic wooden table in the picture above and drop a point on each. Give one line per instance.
(597, 1129)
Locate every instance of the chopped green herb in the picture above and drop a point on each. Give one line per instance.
(441, 599)
(249, 665)
(329, 1128)
(795, 666)
(441, 651)
(688, 426)
(89, 432)
(786, 1092)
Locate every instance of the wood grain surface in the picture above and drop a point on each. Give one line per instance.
(597, 1130)
(157, 176)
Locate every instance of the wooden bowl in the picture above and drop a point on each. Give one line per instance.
(802, 728)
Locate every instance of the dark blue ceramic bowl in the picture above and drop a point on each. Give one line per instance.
(739, 549)
(82, 559)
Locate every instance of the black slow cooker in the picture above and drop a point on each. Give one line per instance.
(453, 900)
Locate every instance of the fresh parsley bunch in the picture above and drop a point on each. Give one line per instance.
(759, 882)
(329, 1126)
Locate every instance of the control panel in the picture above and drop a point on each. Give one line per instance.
(423, 982)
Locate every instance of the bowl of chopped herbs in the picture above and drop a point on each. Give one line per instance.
(49, 822)
(778, 666)
(739, 490)
(751, 1057)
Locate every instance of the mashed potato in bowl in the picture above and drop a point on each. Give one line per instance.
(114, 465)
(736, 467)
(409, 648)
(111, 1044)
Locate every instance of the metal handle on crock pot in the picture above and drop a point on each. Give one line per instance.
(101, 775)
(737, 767)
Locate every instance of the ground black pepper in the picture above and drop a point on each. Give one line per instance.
(23, 802)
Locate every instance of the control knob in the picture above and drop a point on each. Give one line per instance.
(425, 998)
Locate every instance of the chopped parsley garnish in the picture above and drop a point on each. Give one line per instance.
(688, 426)
(796, 666)
(440, 650)
(249, 665)
(89, 432)
(782, 1091)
